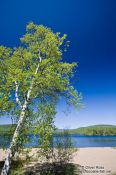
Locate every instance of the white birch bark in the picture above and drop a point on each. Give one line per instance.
(16, 94)
(11, 150)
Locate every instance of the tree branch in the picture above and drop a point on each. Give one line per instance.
(16, 94)
(40, 59)
(29, 92)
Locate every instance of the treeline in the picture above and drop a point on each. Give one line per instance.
(97, 130)
(7, 129)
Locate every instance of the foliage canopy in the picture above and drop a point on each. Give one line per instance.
(18, 65)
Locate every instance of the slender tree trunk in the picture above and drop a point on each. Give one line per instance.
(11, 150)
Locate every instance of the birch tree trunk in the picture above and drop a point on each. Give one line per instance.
(11, 150)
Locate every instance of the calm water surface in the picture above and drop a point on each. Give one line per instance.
(77, 140)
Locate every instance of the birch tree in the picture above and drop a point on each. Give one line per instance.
(30, 72)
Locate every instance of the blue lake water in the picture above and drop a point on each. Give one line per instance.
(77, 140)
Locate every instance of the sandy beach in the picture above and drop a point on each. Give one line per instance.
(94, 161)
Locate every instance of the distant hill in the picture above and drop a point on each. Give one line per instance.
(7, 129)
(95, 130)
(89, 130)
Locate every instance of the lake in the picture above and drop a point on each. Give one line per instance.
(77, 140)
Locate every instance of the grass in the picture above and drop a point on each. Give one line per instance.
(17, 168)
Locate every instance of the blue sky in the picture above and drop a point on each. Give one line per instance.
(91, 28)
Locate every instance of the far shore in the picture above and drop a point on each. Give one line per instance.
(94, 161)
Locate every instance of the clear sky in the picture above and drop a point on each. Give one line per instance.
(91, 28)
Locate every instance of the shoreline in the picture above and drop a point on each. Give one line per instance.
(93, 161)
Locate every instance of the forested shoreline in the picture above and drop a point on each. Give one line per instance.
(96, 130)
